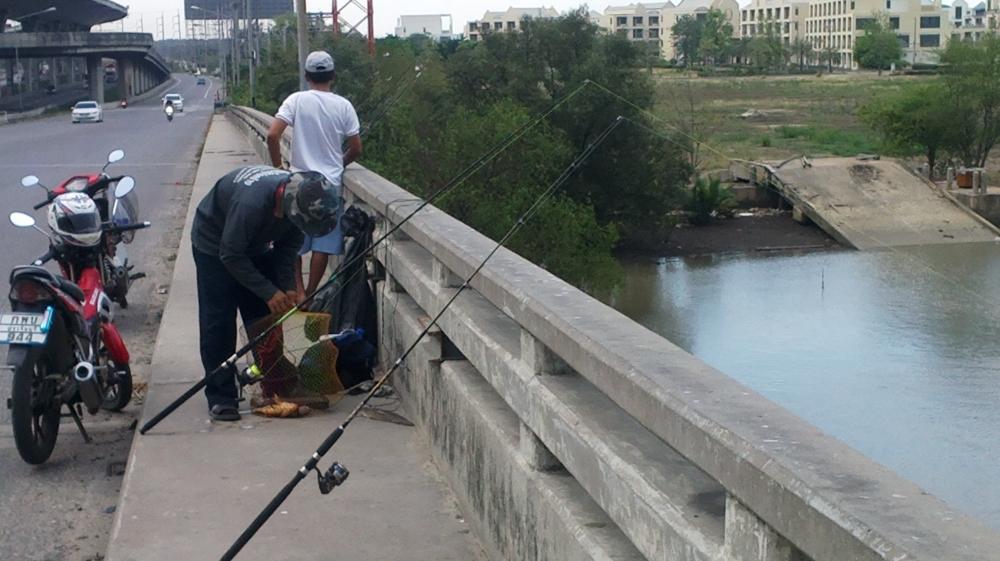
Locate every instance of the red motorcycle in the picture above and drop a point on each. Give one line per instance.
(64, 346)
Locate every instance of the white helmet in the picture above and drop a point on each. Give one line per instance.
(74, 218)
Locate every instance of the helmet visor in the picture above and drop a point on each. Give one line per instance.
(82, 223)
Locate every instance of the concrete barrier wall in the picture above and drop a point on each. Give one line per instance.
(570, 432)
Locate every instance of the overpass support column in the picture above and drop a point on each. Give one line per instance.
(125, 78)
(95, 78)
(748, 538)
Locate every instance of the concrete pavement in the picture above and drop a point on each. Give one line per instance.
(192, 485)
(63, 510)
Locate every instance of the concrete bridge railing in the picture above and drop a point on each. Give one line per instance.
(568, 431)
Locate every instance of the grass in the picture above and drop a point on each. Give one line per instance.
(801, 114)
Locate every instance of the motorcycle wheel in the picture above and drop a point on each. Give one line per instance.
(34, 410)
(118, 394)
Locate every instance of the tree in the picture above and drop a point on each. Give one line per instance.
(920, 116)
(972, 76)
(767, 49)
(879, 47)
(716, 37)
(687, 38)
(802, 49)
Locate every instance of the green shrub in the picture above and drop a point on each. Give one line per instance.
(708, 198)
(765, 141)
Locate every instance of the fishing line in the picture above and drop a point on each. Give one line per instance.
(337, 474)
(383, 110)
(459, 179)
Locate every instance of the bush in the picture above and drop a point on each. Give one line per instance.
(708, 198)
(765, 141)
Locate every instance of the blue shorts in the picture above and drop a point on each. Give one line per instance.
(330, 244)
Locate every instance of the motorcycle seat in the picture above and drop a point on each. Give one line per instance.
(64, 284)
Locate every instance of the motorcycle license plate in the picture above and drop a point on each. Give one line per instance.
(20, 328)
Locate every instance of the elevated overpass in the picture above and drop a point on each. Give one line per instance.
(60, 15)
(140, 67)
(60, 29)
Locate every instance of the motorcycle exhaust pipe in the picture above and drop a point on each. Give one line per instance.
(90, 388)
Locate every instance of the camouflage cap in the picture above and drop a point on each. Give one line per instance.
(311, 203)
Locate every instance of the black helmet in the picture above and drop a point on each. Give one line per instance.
(311, 203)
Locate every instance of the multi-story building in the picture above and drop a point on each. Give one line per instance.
(786, 18)
(670, 13)
(923, 28)
(435, 26)
(505, 22)
(970, 22)
(651, 22)
(639, 22)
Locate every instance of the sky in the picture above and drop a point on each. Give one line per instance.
(148, 13)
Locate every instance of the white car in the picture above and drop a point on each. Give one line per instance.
(85, 111)
(176, 100)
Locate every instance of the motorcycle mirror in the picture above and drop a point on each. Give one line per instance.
(29, 181)
(116, 156)
(124, 187)
(21, 220)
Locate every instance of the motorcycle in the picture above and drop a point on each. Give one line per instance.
(116, 271)
(124, 103)
(64, 346)
(169, 110)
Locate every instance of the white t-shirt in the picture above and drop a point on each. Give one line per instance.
(321, 122)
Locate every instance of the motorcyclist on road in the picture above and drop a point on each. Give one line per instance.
(246, 235)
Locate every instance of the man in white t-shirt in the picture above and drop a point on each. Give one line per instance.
(323, 123)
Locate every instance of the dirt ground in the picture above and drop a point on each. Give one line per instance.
(772, 232)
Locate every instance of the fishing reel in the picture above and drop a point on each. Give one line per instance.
(249, 375)
(334, 477)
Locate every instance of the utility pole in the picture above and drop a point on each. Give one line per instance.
(302, 30)
(252, 40)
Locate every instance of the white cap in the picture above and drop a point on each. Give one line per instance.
(319, 61)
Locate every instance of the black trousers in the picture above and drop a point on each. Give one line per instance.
(220, 295)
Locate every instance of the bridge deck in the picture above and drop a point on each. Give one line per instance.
(874, 203)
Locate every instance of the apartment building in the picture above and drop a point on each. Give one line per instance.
(699, 9)
(922, 28)
(505, 22)
(639, 22)
(970, 22)
(435, 26)
(787, 18)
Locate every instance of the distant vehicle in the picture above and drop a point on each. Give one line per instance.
(201, 81)
(176, 100)
(85, 111)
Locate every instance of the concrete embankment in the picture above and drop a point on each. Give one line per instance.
(869, 204)
(192, 485)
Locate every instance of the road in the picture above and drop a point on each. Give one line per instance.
(63, 510)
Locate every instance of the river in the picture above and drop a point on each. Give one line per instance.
(897, 353)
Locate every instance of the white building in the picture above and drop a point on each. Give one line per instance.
(638, 22)
(505, 22)
(786, 17)
(435, 26)
(923, 27)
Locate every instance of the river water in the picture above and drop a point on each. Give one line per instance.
(897, 353)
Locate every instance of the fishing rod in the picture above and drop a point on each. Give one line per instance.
(250, 375)
(337, 474)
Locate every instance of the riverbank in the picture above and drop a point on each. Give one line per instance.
(767, 231)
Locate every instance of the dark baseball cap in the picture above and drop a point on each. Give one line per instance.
(311, 203)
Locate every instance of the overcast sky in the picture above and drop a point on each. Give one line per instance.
(386, 11)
